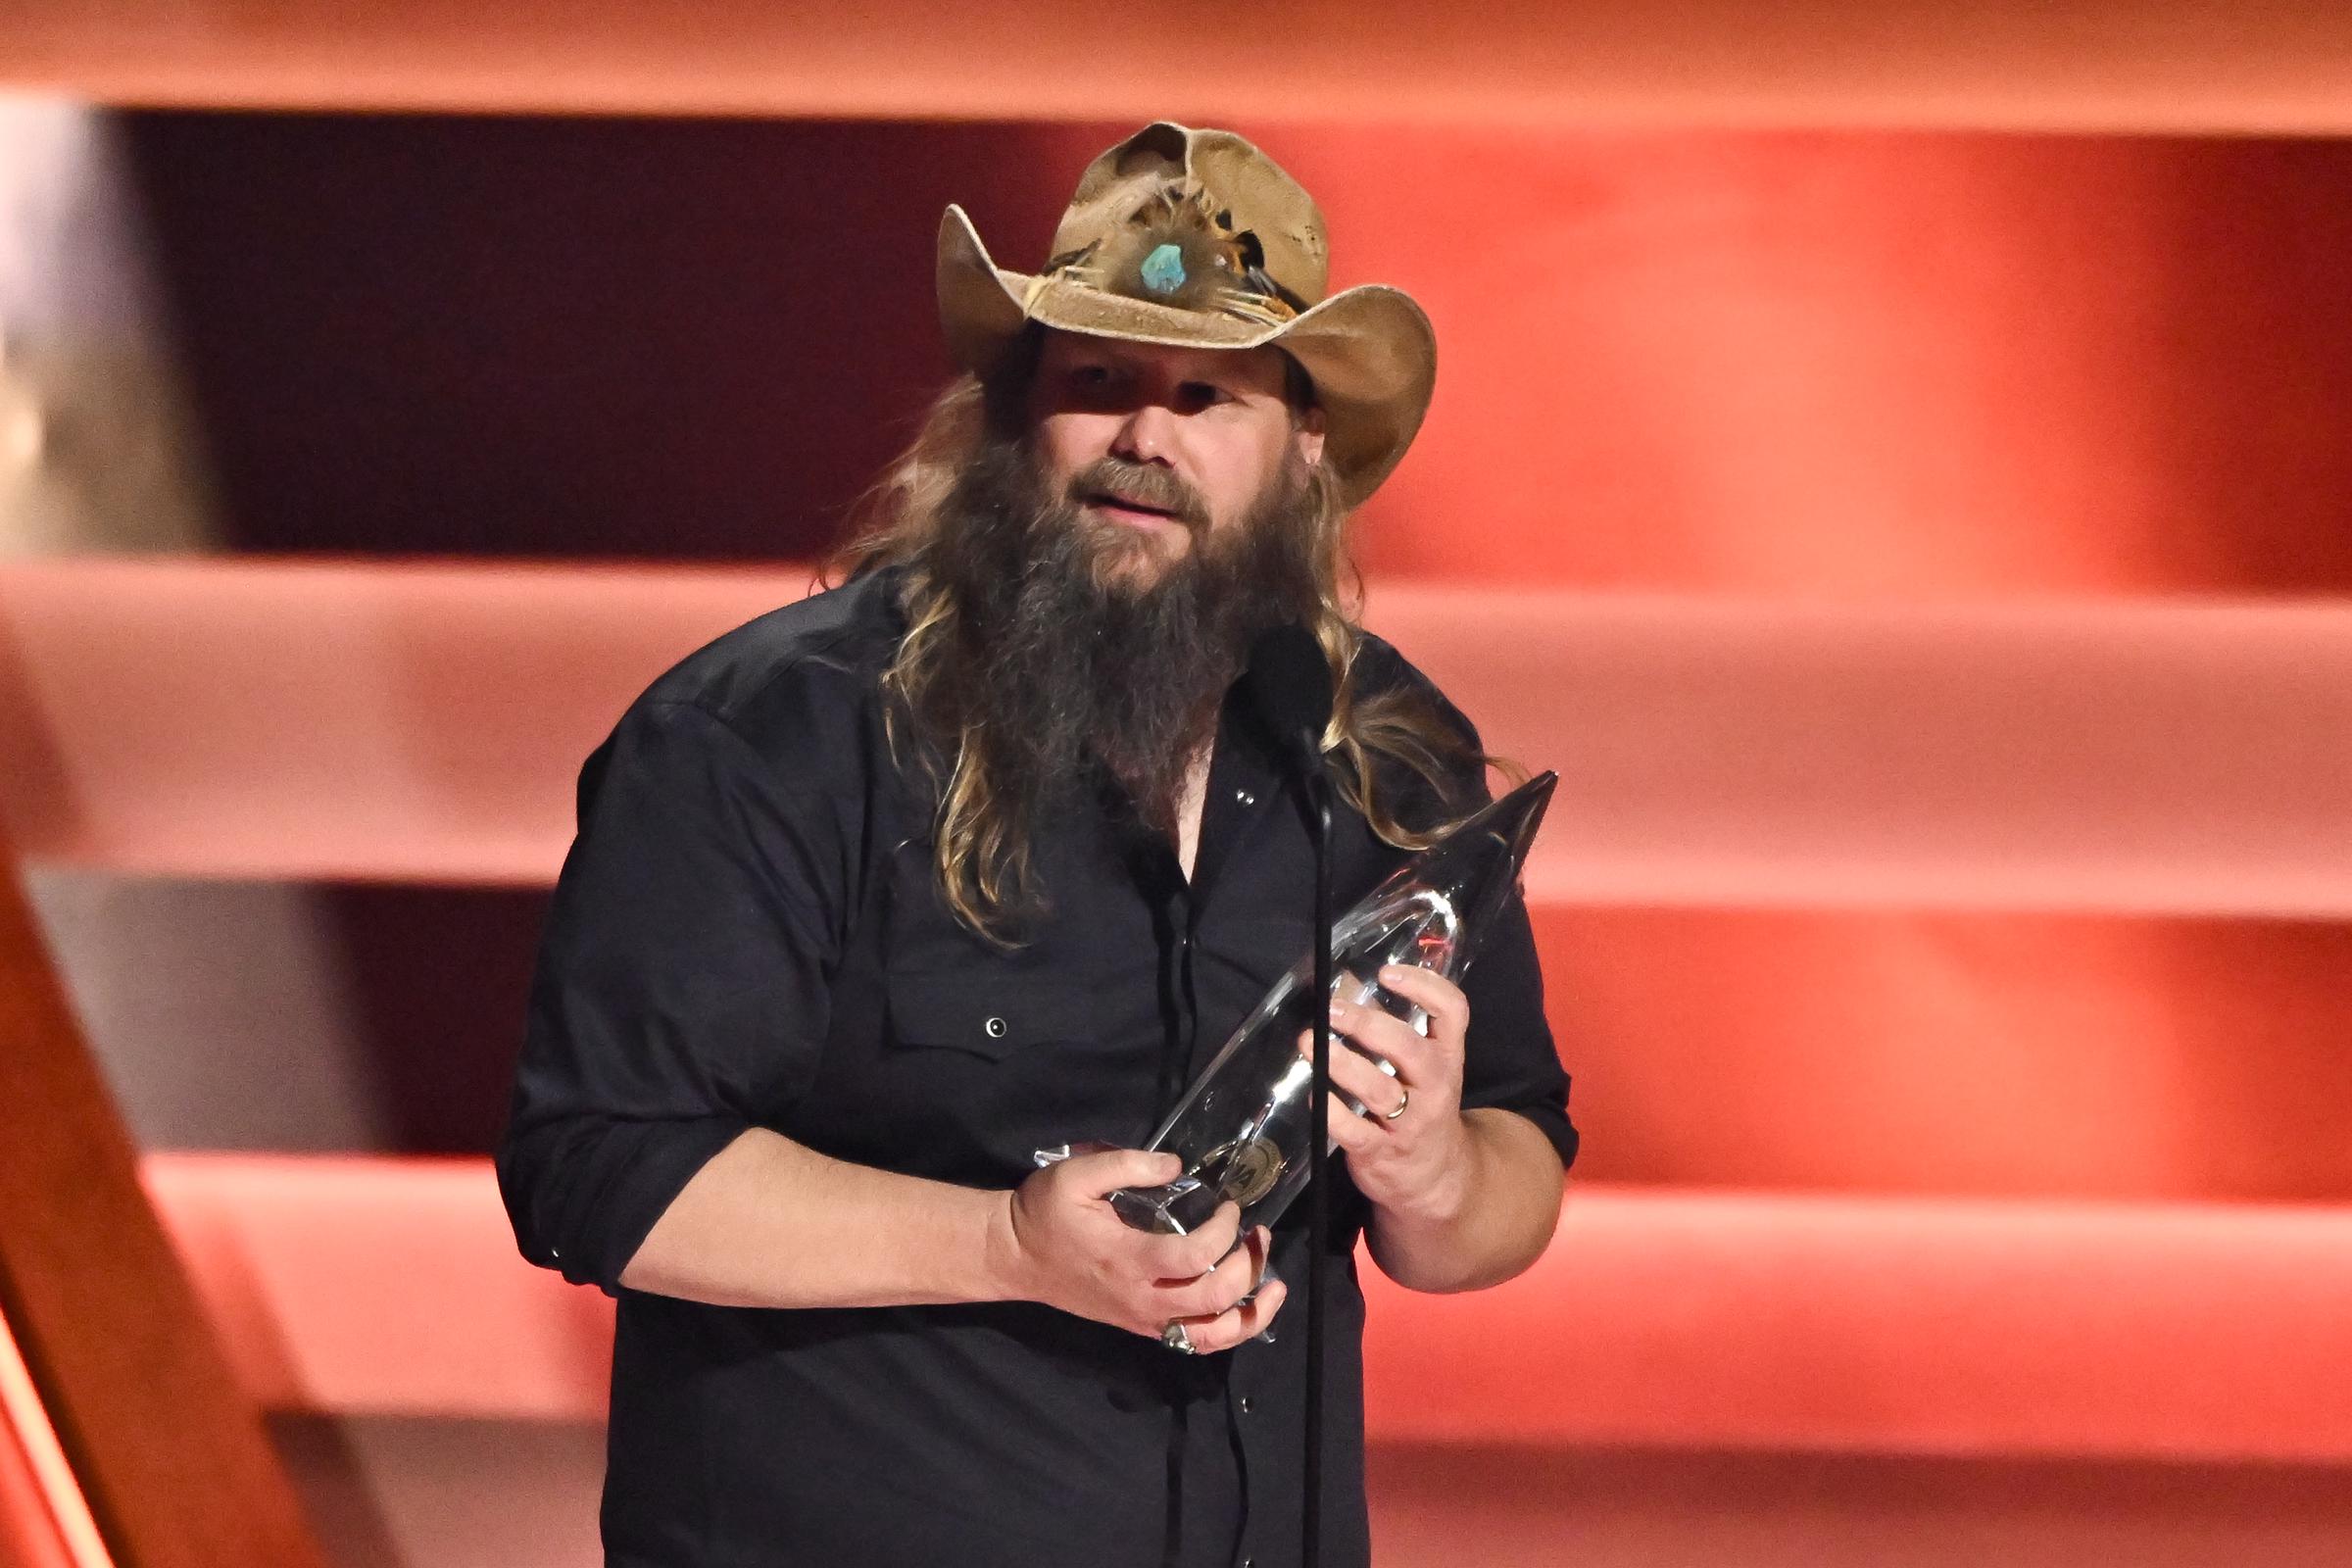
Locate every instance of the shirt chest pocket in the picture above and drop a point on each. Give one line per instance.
(987, 1016)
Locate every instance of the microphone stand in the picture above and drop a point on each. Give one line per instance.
(1318, 1186)
(1290, 683)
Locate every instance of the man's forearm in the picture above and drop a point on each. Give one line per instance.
(770, 1222)
(1494, 1225)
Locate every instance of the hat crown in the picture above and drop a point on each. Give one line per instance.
(1168, 177)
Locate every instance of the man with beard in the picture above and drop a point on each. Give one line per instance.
(981, 852)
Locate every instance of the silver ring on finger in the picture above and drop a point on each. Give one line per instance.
(1405, 1097)
(1177, 1337)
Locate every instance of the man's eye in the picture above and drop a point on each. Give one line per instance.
(1090, 375)
(1203, 394)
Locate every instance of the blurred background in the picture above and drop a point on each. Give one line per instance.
(1891, 460)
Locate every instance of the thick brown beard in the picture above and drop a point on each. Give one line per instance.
(1073, 672)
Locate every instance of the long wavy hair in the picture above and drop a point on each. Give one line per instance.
(980, 854)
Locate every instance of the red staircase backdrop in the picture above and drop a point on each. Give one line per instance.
(1918, 539)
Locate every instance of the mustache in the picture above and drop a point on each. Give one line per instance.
(1146, 483)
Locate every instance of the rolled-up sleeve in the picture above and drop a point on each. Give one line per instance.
(680, 992)
(1509, 1060)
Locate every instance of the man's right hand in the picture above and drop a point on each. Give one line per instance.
(1061, 1242)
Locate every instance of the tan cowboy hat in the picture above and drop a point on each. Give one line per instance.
(1194, 237)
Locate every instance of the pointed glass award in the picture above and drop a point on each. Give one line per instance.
(1242, 1127)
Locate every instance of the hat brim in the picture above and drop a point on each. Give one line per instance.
(1370, 349)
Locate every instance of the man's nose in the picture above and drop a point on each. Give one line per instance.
(1146, 434)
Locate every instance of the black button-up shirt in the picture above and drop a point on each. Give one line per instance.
(747, 933)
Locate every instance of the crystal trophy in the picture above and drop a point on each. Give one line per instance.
(1242, 1127)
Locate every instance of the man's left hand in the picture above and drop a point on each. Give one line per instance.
(1410, 1153)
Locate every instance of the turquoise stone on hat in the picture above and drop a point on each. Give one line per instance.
(1163, 269)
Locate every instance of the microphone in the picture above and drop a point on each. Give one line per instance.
(1288, 681)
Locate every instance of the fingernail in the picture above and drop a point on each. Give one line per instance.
(1338, 1010)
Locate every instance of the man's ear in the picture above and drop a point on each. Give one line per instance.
(1310, 435)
